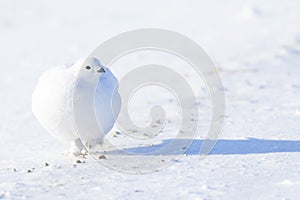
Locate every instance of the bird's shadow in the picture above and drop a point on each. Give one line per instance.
(222, 147)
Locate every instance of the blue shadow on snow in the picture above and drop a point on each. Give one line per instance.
(222, 147)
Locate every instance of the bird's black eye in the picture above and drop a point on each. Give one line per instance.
(88, 67)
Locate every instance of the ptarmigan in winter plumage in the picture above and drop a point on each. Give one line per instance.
(66, 102)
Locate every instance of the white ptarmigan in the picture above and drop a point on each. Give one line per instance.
(67, 100)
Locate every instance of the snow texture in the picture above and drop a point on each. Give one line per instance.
(256, 47)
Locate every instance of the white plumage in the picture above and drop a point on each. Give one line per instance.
(87, 84)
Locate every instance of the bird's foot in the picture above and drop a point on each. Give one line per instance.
(83, 153)
(78, 149)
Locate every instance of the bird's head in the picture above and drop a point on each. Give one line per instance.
(89, 70)
(93, 65)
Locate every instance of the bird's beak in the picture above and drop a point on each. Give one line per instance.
(101, 70)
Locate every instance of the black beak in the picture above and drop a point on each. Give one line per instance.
(101, 70)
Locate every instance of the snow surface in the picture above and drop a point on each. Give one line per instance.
(256, 46)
